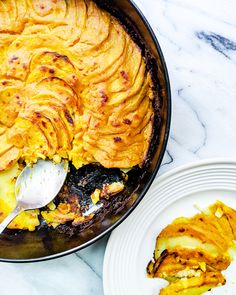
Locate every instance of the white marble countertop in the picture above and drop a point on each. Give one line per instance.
(198, 39)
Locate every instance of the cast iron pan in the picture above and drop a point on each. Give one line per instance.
(45, 243)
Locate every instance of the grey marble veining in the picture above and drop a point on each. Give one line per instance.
(198, 39)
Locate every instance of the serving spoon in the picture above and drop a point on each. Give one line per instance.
(37, 186)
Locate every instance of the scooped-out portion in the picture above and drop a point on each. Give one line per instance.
(191, 253)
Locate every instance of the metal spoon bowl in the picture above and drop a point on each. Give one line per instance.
(36, 187)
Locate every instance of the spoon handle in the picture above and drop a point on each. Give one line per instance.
(10, 217)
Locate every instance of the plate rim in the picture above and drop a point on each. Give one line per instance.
(162, 178)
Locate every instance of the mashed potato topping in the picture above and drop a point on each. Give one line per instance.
(73, 85)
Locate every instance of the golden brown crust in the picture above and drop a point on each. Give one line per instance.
(198, 231)
(173, 261)
(9, 158)
(74, 81)
(227, 214)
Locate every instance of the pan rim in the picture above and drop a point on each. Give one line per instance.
(154, 173)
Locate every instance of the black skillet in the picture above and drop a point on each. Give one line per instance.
(45, 243)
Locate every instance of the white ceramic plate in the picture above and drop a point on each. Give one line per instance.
(172, 195)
